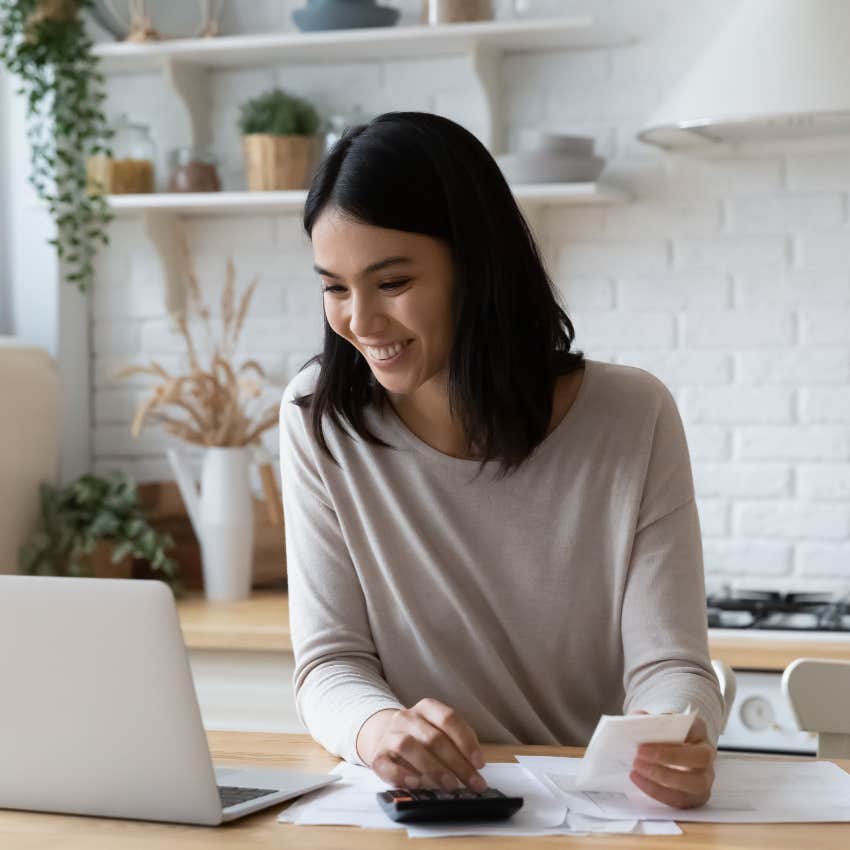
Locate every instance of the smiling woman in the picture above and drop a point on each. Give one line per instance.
(507, 545)
(418, 237)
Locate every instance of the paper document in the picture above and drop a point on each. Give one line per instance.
(612, 749)
(747, 789)
(545, 768)
(351, 801)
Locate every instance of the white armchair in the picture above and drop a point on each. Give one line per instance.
(29, 441)
(819, 692)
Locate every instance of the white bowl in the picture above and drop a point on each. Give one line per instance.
(546, 167)
(547, 140)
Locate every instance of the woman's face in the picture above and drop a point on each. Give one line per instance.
(389, 293)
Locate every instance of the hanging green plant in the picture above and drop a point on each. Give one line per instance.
(44, 43)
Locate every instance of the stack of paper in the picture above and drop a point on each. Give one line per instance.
(746, 790)
(351, 801)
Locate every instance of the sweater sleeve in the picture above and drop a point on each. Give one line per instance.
(664, 630)
(338, 679)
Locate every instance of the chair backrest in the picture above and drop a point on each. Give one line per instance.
(818, 690)
(728, 687)
(29, 441)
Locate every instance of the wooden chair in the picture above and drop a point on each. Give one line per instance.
(728, 687)
(819, 693)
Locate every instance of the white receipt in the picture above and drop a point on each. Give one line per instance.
(608, 759)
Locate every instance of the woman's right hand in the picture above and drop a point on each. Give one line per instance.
(426, 746)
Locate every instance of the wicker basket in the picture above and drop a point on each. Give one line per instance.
(275, 163)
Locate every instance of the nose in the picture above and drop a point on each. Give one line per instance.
(366, 320)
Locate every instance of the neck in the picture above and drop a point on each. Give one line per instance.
(426, 413)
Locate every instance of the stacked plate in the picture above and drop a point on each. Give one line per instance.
(547, 157)
(343, 14)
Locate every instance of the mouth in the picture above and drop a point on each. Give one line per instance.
(387, 354)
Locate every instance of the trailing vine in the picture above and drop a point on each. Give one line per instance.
(44, 43)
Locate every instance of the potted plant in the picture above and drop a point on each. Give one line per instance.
(94, 526)
(44, 43)
(278, 141)
(220, 406)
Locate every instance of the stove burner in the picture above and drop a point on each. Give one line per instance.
(756, 609)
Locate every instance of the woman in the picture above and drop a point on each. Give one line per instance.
(489, 537)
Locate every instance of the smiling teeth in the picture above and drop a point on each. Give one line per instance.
(385, 353)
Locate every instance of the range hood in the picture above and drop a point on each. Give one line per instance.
(778, 69)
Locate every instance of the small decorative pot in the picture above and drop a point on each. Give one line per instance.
(274, 163)
(102, 565)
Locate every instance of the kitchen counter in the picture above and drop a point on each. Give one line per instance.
(258, 623)
(261, 623)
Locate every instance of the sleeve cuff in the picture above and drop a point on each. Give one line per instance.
(359, 717)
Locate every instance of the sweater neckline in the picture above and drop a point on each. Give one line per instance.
(398, 427)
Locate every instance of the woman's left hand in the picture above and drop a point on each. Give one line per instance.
(680, 775)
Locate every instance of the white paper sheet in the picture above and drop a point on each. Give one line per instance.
(544, 767)
(351, 801)
(746, 790)
(612, 749)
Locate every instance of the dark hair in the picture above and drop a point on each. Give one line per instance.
(422, 173)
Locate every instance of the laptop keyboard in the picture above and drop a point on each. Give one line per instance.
(231, 795)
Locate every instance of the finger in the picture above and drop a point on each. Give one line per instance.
(669, 796)
(691, 782)
(458, 730)
(455, 770)
(416, 745)
(396, 771)
(697, 756)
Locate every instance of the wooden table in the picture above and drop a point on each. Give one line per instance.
(35, 831)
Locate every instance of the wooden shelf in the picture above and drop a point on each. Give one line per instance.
(234, 203)
(260, 623)
(375, 44)
(184, 65)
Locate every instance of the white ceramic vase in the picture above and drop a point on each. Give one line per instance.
(222, 517)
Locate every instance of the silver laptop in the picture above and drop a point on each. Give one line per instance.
(98, 712)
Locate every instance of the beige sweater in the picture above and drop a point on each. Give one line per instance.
(571, 588)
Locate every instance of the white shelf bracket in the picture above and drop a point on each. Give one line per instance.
(161, 230)
(485, 60)
(190, 123)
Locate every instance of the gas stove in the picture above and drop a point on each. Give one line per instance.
(773, 611)
(761, 719)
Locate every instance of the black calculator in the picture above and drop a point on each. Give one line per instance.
(423, 805)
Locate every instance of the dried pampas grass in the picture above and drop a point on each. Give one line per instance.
(214, 404)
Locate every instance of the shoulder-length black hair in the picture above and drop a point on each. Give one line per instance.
(422, 173)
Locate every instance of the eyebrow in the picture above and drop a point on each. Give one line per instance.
(374, 267)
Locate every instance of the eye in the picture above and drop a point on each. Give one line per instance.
(388, 285)
(395, 284)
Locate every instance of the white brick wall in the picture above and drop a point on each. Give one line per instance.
(729, 277)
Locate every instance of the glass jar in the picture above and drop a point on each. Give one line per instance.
(193, 169)
(335, 125)
(456, 11)
(537, 8)
(130, 169)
